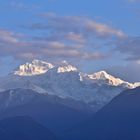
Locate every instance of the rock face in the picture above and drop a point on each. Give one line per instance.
(66, 81)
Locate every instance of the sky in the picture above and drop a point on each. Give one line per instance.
(91, 34)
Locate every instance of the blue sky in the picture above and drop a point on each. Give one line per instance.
(92, 34)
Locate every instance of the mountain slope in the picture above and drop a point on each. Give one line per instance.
(23, 128)
(51, 111)
(119, 120)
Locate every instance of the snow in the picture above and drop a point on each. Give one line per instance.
(36, 67)
(102, 77)
(66, 67)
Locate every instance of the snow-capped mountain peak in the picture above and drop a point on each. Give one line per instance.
(66, 67)
(36, 67)
(100, 75)
(104, 76)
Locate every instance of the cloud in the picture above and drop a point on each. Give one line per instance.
(103, 30)
(61, 37)
(129, 46)
(75, 37)
(77, 25)
(7, 37)
(13, 44)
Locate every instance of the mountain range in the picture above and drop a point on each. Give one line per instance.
(66, 81)
(42, 101)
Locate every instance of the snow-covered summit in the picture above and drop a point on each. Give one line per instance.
(36, 67)
(66, 67)
(104, 76)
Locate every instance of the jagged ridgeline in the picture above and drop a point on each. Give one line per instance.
(66, 81)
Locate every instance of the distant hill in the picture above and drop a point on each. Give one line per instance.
(55, 113)
(23, 128)
(119, 120)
